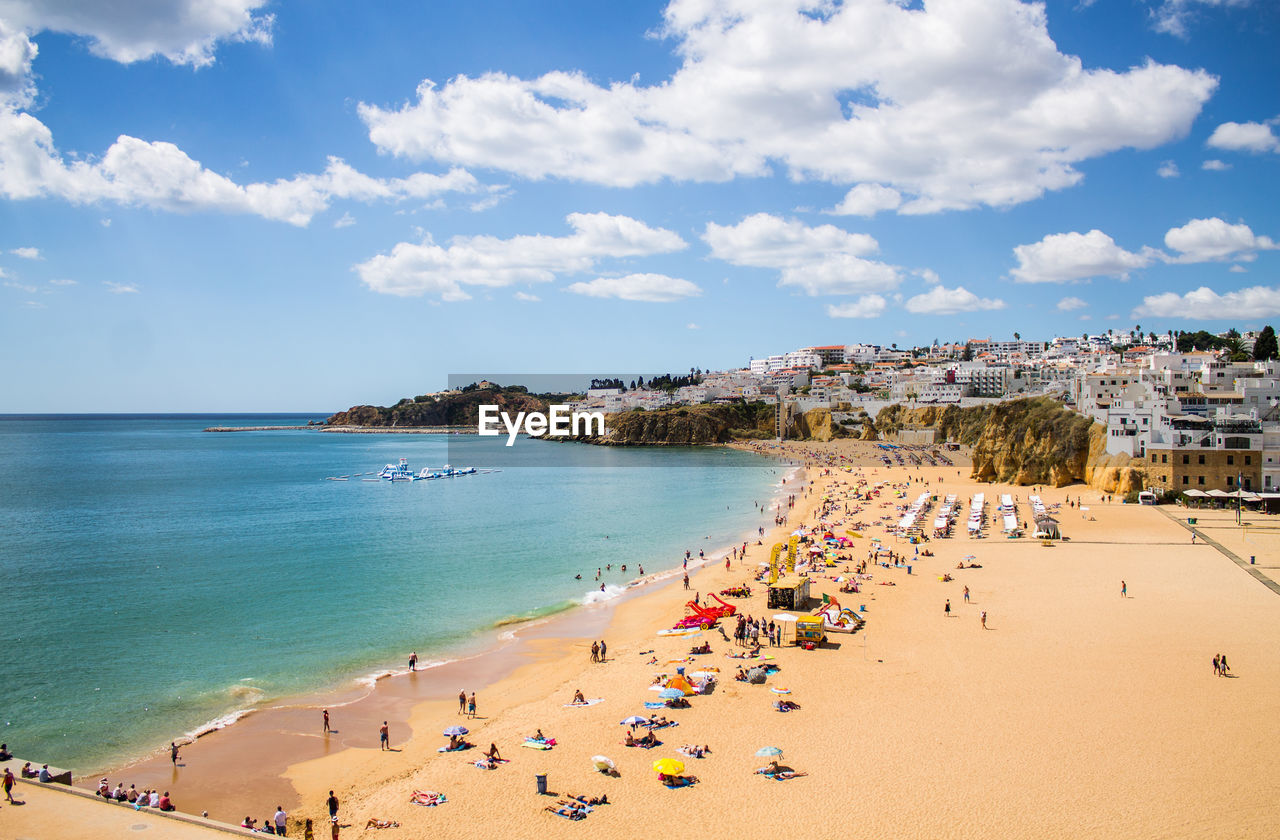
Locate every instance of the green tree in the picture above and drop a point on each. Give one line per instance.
(1017, 336)
(1265, 346)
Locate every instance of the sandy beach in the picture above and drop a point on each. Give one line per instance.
(1074, 712)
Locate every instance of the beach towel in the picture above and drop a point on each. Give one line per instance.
(590, 702)
(575, 814)
(458, 748)
(680, 781)
(643, 746)
(536, 745)
(427, 797)
(655, 704)
(663, 725)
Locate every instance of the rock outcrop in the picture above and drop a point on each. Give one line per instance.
(1029, 441)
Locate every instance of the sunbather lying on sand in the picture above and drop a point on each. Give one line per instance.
(786, 706)
(372, 823)
(567, 811)
(602, 799)
(677, 781)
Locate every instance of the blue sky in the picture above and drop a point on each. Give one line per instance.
(268, 205)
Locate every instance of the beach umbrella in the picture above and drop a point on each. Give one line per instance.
(602, 763)
(456, 730)
(778, 690)
(634, 720)
(702, 675)
(670, 693)
(769, 751)
(668, 766)
(784, 617)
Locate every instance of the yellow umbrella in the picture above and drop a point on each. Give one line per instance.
(668, 766)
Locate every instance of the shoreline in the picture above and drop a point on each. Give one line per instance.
(488, 658)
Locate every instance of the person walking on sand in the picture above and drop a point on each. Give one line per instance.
(1193, 537)
(462, 702)
(984, 619)
(686, 580)
(947, 609)
(326, 721)
(966, 594)
(413, 661)
(384, 736)
(1124, 589)
(1217, 667)
(332, 802)
(173, 752)
(603, 649)
(595, 652)
(281, 820)
(471, 705)
(1222, 663)
(8, 784)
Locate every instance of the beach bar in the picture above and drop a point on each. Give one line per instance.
(790, 592)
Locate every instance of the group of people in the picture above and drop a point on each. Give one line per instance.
(598, 651)
(1220, 667)
(748, 631)
(147, 799)
(276, 824)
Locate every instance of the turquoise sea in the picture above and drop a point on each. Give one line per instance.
(158, 578)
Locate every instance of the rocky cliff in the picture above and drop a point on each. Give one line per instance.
(460, 409)
(1030, 441)
(686, 425)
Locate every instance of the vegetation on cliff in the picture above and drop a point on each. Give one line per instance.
(450, 409)
(687, 425)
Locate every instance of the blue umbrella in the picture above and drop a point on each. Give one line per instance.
(456, 730)
(670, 693)
(634, 720)
(769, 751)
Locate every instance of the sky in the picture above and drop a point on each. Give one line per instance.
(277, 205)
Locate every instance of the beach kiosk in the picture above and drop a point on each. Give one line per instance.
(1047, 529)
(789, 592)
(809, 631)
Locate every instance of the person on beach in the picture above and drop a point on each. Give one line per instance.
(984, 619)
(166, 804)
(471, 705)
(413, 661)
(326, 721)
(1222, 663)
(384, 736)
(281, 820)
(641, 569)
(308, 830)
(462, 702)
(493, 754)
(1193, 537)
(8, 784)
(332, 802)
(1124, 589)
(578, 699)
(5, 755)
(1217, 666)
(603, 650)
(333, 829)
(947, 609)
(595, 652)
(966, 594)
(173, 753)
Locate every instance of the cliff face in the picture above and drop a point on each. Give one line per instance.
(685, 425)
(1031, 441)
(818, 425)
(452, 410)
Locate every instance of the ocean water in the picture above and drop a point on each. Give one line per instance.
(157, 578)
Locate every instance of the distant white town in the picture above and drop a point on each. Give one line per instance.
(1204, 420)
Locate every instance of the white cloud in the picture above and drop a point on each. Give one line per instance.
(183, 32)
(943, 301)
(1204, 304)
(1066, 257)
(17, 52)
(867, 306)
(62, 281)
(21, 287)
(1248, 137)
(347, 220)
(426, 268)
(1174, 16)
(868, 200)
(692, 326)
(27, 253)
(1168, 169)
(1211, 240)
(928, 275)
(162, 176)
(120, 288)
(951, 105)
(105, 222)
(1067, 304)
(650, 288)
(1215, 166)
(527, 298)
(1238, 269)
(822, 260)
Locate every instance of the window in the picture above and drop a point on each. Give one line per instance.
(1164, 459)
(1199, 479)
(1231, 481)
(1186, 479)
(1248, 460)
(1186, 459)
(1231, 460)
(1202, 459)
(1153, 457)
